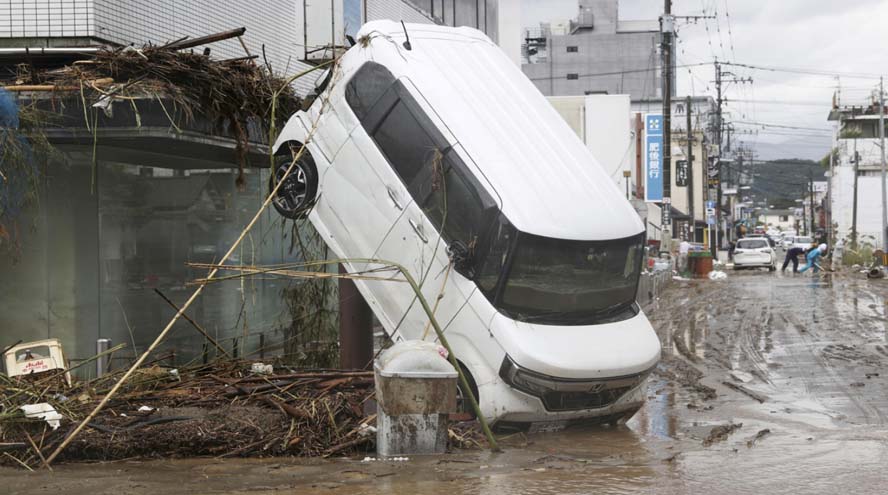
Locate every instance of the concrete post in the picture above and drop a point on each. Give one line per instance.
(355, 326)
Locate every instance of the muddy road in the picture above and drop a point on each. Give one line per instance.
(769, 384)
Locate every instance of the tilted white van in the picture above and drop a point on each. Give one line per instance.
(438, 149)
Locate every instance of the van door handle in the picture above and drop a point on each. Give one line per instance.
(393, 197)
(418, 229)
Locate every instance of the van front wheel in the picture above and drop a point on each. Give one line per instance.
(463, 404)
(296, 195)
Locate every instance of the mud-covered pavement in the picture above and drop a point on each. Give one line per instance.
(769, 384)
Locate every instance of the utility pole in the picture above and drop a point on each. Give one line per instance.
(690, 157)
(882, 143)
(854, 208)
(718, 141)
(811, 201)
(719, 80)
(666, 32)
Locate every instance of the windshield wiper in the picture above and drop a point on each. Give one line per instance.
(612, 310)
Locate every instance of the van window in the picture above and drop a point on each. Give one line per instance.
(454, 202)
(405, 142)
(493, 259)
(366, 87)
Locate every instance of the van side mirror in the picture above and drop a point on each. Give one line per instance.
(461, 257)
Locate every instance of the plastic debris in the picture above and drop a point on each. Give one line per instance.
(146, 409)
(717, 275)
(262, 369)
(43, 411)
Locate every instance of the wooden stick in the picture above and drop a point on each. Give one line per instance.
(286, 273)
(190, 300)
(16, 459)
(34, 445)
(10, 347)
(193, 323)
(52, 87)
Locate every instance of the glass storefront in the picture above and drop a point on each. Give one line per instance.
(91, 263)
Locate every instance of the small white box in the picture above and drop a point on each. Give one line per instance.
(39, 356)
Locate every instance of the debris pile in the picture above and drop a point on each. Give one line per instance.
(221, 409)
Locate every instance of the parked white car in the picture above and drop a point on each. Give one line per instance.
(788, 240)
(804, 242)
(754, 252)
(441, 150)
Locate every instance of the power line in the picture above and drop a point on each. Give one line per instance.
(620, 72)
(781, 126)
(795, 70)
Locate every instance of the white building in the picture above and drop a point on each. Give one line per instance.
(857, 135)
(286, 33)
(782, 220)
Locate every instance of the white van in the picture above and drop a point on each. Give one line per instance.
(441, 148)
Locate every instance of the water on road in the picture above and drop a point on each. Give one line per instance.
(769, 383)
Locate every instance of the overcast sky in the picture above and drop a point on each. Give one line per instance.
(829, 36)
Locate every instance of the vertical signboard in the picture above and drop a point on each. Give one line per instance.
(681, 173)
(653, 157)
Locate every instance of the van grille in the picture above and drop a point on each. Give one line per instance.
(569, 401)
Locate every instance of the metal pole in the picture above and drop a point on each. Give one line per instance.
(102, 345)
(882, 147)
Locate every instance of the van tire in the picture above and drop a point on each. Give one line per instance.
(462, 403)
(296, 195)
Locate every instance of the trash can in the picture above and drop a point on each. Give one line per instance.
(416, 392)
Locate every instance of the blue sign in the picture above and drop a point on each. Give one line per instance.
(653, 157)
(710, 213)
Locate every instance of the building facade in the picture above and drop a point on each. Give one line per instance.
(122, 216)
(856, 166)
(597, 53)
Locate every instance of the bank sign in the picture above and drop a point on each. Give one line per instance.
(653, 157)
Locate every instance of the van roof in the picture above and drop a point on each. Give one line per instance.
(548, 182)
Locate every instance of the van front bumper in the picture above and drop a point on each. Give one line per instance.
(532, 400)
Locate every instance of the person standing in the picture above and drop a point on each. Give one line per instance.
(683, 249)
(813, 257)
(792, 256)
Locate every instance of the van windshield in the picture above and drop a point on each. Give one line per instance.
(567, 282)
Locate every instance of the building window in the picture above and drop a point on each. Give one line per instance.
(572, 77)
(573, 49)
(784, 218)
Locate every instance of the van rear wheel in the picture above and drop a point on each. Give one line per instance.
(296, 195)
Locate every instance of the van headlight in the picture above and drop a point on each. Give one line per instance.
(526, 382)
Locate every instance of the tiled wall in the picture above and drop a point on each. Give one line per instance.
(33, 18)
(160, 21)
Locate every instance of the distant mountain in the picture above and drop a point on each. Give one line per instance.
(809, 150)
(781, 182)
